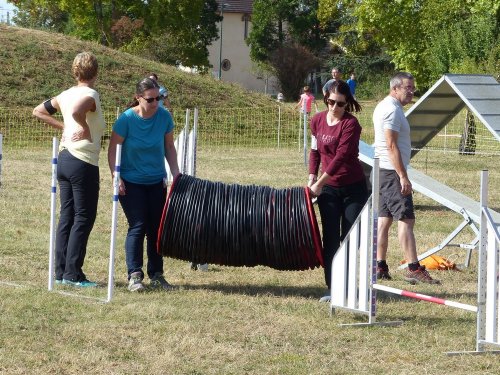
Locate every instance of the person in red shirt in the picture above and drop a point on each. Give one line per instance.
(341, 186)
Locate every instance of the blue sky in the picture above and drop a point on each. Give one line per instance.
(6, 6)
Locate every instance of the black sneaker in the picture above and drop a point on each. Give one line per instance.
(383, 273)
(158, 282)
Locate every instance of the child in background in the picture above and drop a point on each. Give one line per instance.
(307, 99)
(352, 84)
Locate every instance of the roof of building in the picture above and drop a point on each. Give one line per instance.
(449, 95)
(237, 6)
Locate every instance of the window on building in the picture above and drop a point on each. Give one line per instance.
(246, 20)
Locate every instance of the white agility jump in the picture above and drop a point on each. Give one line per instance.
(354, 284)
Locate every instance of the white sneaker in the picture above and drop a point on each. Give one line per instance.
(326, 298)
(135, 283)
(203, 267)
(199, 267)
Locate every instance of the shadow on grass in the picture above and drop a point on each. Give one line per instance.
(261, 290)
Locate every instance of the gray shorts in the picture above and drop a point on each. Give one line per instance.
(392, 203)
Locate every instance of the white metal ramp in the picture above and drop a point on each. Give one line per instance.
(446, 98)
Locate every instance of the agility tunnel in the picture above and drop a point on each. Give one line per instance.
(236, 225)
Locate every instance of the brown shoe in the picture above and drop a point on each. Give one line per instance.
(420, 275)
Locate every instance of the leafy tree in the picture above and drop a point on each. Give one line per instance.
(411, 30)
(276, 22)
(189, 24)
(292, 63)
(31, 14)
(124, 30)
(286, 26)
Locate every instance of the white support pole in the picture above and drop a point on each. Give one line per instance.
(112, 245)
(300, 129)
(53, 199)
(481, 271)
(492, 327)
(304, 109)
(1, 156)
(374, 230)
(195, 142)
(279, 124)
(186, 141)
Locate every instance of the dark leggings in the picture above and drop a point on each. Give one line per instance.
(79, 191)
(339, 208)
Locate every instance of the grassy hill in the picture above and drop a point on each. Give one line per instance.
(36, 65)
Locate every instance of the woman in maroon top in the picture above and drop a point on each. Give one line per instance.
(341, 187)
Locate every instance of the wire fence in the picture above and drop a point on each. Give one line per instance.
(221, 128)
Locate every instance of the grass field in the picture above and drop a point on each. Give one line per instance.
(227, 320)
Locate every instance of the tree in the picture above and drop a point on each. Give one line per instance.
(189, 24)
(292, 63)
(282, 28)
(410, 30)
(31, 14)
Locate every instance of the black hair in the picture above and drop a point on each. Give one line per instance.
(140, 87)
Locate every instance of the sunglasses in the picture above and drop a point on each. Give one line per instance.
(151, 100)
(332, 102)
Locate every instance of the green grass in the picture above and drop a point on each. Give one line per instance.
(228, 320)
(36, 65)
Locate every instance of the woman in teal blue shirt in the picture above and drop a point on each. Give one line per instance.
(145, 131)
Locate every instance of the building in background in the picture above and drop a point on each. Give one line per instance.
(233, 53)
(7, 11)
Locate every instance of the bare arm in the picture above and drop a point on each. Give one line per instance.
(41, 113)
(391, 138)
(171, 154)
(84, 105)
(115, 140)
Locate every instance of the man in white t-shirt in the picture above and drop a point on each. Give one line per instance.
(393, 148)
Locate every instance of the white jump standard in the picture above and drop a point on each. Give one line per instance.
(53, 200)
(354, 284)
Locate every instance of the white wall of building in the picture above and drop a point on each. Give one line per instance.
(235, 49)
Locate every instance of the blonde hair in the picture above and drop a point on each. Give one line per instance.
(84, 66)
